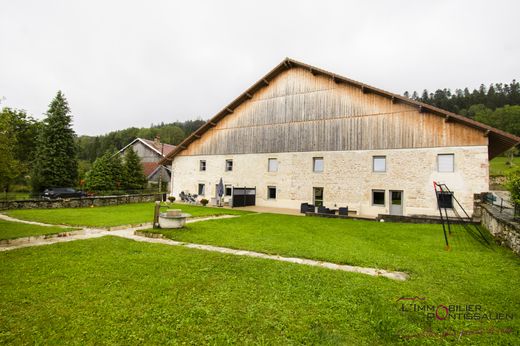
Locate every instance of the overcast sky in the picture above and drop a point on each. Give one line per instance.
(133, 63)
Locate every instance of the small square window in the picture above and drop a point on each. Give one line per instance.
(378, 197)
(317, 164)
(202, 189)
(272, 165)
(379, 163)
(202, 165)
(229, 165)
(228, 190)
(445, 163)
(271, 192)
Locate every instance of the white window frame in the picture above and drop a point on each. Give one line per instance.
(273, 168)
(378, 157)
(314, 200)
(230, 187)
(229, 168)
(316, 159)
(203, 189)
(440, 168)
(384, 197)
(275, 192)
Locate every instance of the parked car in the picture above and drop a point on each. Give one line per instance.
(62, 192)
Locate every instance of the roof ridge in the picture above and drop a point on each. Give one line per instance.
(288, 63)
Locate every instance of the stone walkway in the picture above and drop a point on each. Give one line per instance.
(133, 234)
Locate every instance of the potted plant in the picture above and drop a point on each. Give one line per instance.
(171, 199)
(204, 202)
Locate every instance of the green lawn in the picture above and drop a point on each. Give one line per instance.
(468, 274)
(111, 216)
(498, 165)
(11, 230)
(11, 196)
(116, 291)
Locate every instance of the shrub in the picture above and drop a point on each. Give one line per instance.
(513, 185)
(171, 199)
(204, 202)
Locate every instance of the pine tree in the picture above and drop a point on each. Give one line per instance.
(56, 161)
(106, 173)
(134, 177)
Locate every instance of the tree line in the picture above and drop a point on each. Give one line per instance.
(497, 105)
(40, 154)
(92, 147)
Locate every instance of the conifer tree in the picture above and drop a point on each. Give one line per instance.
(105, 174)
(133, 171)
(55, 163)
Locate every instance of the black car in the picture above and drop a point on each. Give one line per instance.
(62, 192)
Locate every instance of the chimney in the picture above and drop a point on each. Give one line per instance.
(157, 142)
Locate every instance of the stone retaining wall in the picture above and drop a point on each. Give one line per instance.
(80, 202)
(505, 230)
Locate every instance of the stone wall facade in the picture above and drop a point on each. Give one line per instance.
(79, 202)
(347, 179)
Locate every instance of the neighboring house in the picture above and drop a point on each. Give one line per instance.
(151, 153)
(302, 134)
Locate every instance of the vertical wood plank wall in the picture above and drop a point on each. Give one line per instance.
(300, 112)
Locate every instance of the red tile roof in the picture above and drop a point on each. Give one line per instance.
(149, 167)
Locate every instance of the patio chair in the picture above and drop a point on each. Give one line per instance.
(304, 207)
(323, 210)
(343, 211)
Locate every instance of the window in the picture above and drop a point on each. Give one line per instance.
(271, 192)
(317, 164)
(318, 196)
(202, 189)
(445, 163)
(272, 165)
(378, 197)
(229, 165)
(202, 165)
(227, 190)
(379, 163)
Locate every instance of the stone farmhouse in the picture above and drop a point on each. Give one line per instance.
(151, 153)
(302, 134)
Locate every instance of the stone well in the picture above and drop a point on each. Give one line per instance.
(173, 218)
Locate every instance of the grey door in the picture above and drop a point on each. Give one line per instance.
(396, 202)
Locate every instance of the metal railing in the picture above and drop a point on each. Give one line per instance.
(503, 205)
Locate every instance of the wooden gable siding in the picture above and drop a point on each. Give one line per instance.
(299, 112)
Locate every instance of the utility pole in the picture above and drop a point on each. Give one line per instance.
(160, 169)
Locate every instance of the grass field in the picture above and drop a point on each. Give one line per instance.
(498, 165)
(111, 216)
(111, 290)
(11, 196)
(11, 230)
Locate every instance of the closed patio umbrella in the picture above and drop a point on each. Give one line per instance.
(220, 191)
